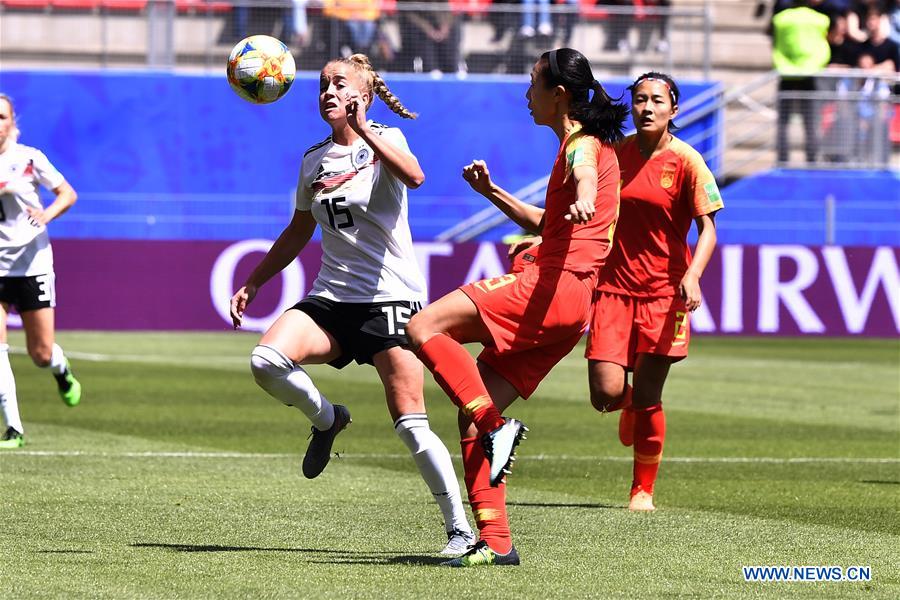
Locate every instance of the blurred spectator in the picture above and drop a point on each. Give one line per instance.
(879, 52)
(536, 10)
(430, 40)
(354, 22)
(502, 20)
(845, 51)
(269, 17)
(618, 26)
(831, 8)
(894, 19)
(799, 50)
(649, 23)
(856, 18)
(839, 117)
(296, 28)
(566, 21)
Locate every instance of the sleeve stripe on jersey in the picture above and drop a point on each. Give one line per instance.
(319, 145)
(377, 127)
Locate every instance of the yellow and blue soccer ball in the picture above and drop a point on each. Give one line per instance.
(261, 69)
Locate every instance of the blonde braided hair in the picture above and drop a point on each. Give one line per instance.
(374, 83)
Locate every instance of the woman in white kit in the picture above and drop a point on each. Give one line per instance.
(26, 267)
(353, 184)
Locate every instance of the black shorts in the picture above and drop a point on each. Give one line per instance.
(29, 293)
(362, 330)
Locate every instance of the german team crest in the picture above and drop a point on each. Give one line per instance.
(361, 158)
(667, 179)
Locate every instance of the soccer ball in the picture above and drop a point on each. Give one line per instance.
(261, 69)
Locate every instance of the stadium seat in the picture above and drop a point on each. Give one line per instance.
(590, 10)
(76, 4)
(25, 3)
(202, 6)
(124, 5)
(470, 7)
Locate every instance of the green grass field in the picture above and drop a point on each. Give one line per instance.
(178, 478)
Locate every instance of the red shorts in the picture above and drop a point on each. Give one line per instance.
(535, 318)
(624, 326)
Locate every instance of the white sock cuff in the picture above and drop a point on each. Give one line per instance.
(4, 347)
(415, 432)
(411, 421)
(273, 356)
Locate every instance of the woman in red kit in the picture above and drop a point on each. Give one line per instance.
(530, 319)
(650, 283)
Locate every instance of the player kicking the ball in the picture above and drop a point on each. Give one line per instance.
(353, 184)
(530, 319)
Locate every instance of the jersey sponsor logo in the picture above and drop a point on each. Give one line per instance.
(667, 178)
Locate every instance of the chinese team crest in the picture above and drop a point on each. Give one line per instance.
(667, 179)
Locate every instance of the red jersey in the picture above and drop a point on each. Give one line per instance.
(580, 248)
(660, 197)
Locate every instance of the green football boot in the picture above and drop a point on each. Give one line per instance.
(481, 554)
(69, 387)
(11, 438)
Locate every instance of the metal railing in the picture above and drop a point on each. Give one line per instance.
(854, 112)
(849, 118)
(457, 37)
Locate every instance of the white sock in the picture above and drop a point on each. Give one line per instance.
(9, 405)
(289, 383)
(431, 456)
(57, 360)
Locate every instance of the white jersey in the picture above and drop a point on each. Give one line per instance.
(24, 243)
(367, 250)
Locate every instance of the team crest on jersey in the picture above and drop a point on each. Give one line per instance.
(667, 179)
(361, 157)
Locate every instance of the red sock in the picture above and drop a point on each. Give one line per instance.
(488, 503)
(456, 372)
(649, 435)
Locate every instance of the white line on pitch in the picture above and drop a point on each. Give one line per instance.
(540, 457)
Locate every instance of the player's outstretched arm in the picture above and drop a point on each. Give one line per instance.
(285, 249)
(528, 217)
(582, 211)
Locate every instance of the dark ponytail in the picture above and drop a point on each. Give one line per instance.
(599, 115)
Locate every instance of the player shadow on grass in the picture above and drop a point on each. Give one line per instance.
(565, 505)
(221, 548)
(374, 558)
(350, 557)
